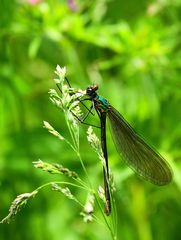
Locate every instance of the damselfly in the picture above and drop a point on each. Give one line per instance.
(139, 156)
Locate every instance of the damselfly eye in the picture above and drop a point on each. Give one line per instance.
(91, 90)
(95, 87)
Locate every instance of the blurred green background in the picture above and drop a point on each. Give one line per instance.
(132, 50)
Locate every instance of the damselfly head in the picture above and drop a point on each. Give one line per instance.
(91, 90)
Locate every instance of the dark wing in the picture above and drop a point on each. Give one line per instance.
(137, 154)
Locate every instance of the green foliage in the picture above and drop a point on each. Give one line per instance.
(132, 50)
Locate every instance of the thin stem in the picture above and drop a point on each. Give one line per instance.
(105, 218)
(114, 212)
(75, 147)
(70, 144)
(59, 182)
(84, 168)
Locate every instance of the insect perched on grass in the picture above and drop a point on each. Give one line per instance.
(139, 156)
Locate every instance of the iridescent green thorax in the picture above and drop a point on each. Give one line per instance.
(102, 103)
